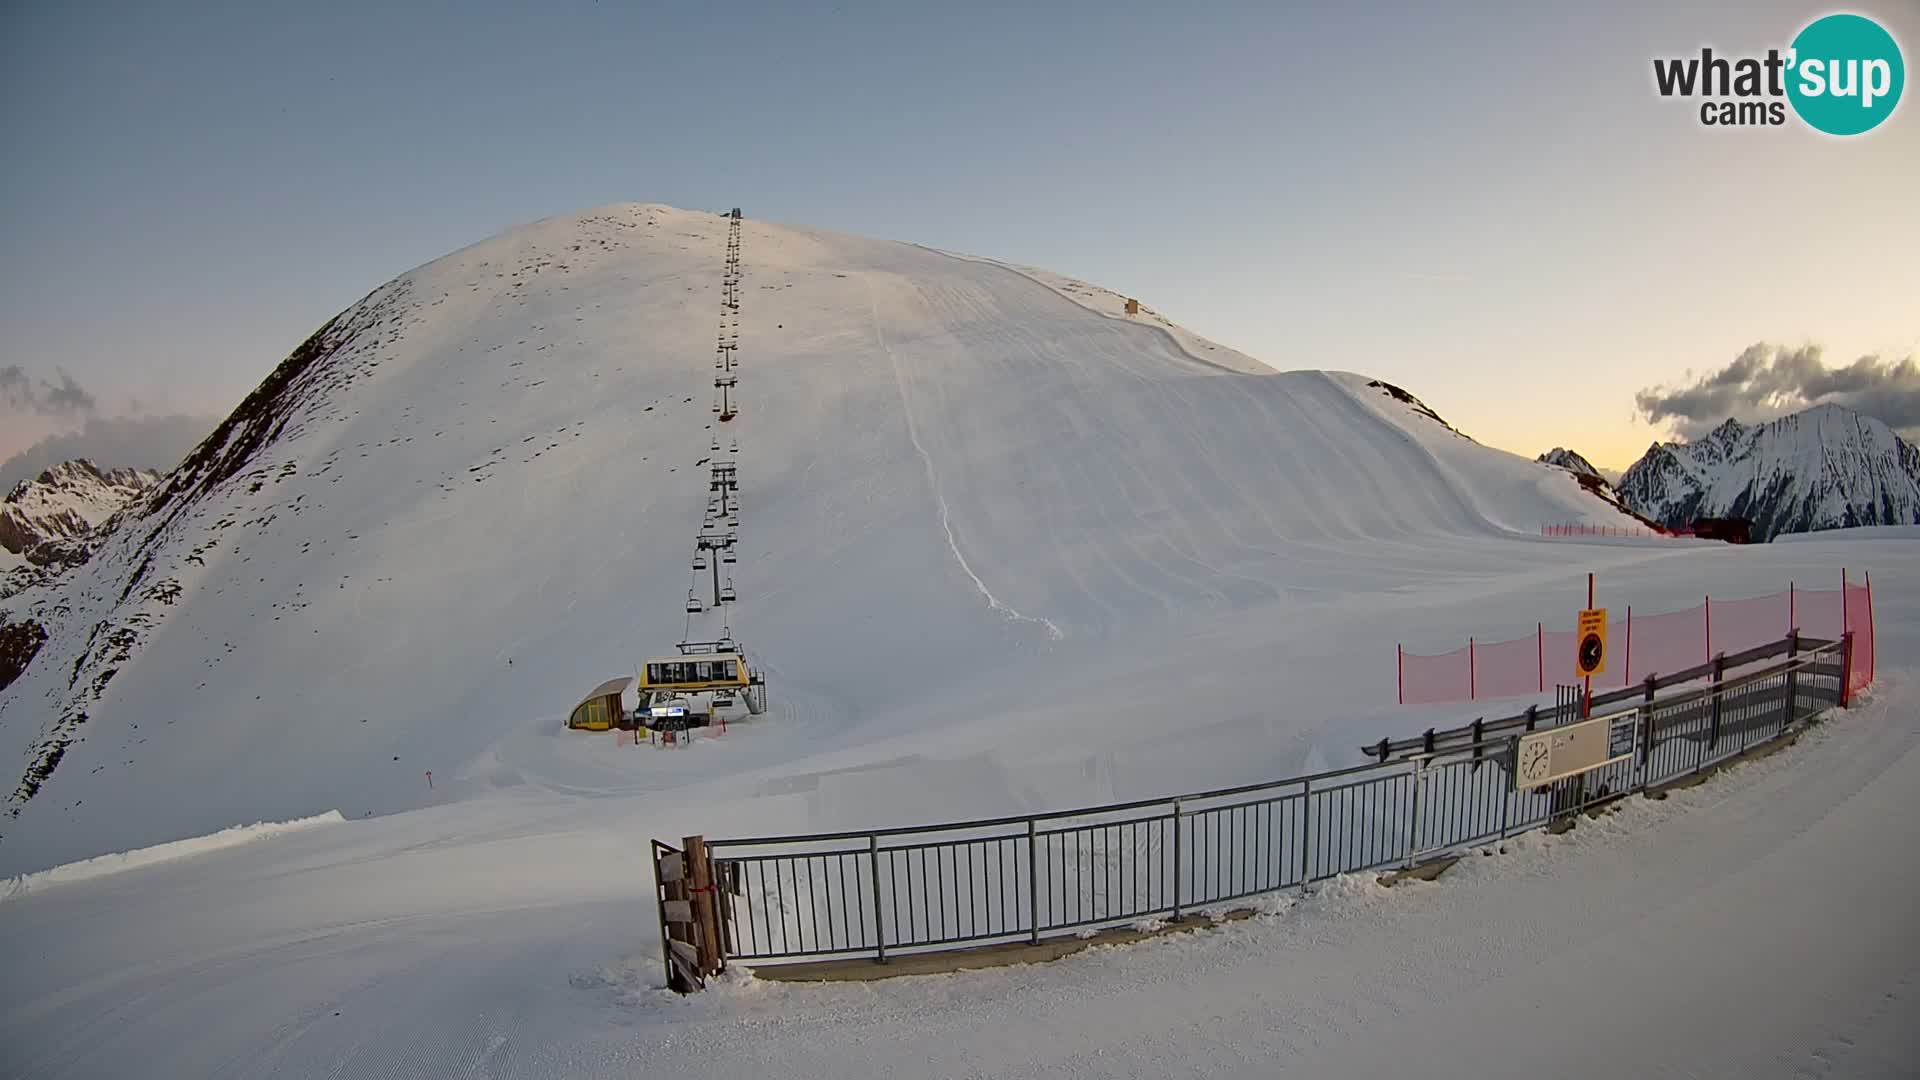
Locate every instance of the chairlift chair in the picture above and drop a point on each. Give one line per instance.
(693, 603)
(699, 560)
(728, 558)
(726, 592)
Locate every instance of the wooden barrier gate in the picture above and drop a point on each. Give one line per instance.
(689, 924)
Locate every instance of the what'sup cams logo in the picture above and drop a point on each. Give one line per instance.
(1842, 75)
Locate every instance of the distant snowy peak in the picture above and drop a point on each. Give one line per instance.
(68, 502)
(1825, 468)
(1570, 461)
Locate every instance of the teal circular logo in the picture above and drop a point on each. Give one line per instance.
(1845, 74)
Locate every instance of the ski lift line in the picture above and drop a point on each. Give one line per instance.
(712, 547)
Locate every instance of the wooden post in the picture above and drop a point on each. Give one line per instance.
(666, 934)
(677, 926)
(700, 891)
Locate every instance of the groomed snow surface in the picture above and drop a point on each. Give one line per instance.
(1002, 551)
(1757, 926)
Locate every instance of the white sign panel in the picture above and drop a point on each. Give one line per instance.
(1571, 749)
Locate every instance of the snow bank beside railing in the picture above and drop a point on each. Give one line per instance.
(103, 865)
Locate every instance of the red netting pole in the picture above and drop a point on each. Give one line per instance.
(1540, 647)
(1473, 679)
(1626, 679)
(1400, 670)
(1793, 610)
(1586, 698)
(1873, 644)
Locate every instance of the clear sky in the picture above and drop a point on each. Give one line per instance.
(1486, 203)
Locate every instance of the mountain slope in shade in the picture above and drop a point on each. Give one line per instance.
(1825, 468)
(473, 495)
(68, 502)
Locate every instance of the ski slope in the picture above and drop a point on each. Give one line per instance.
(974, 498)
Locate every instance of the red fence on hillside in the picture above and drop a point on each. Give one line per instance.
(1581, 528)
(1643, 645)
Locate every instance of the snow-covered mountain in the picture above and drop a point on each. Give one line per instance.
(1825, 468)
(67, 502)
(1570, 461)
(973, 496)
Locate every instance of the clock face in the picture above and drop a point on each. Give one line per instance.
(1591, 650)
(1534, 759)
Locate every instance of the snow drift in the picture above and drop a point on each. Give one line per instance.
(103, 865)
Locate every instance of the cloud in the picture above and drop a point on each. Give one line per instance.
(144, 442)
(22, 393)
(1767, 381)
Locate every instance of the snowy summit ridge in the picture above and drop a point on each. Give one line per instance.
(1826, 467)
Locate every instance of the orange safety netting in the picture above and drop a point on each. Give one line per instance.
(1640, 645)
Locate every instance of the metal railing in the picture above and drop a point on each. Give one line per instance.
(1480, 730)
(883, 892)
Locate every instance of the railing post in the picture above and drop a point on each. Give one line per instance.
(1793, 679)
(1306, 833)
(1513, 782)
(1413, 823)
(1719, 671)
(879, 923)
(1646, 728)
(1033, 881)
(1846, 668)
(1176, 860)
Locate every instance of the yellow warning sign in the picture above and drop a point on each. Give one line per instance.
(1591, 639)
